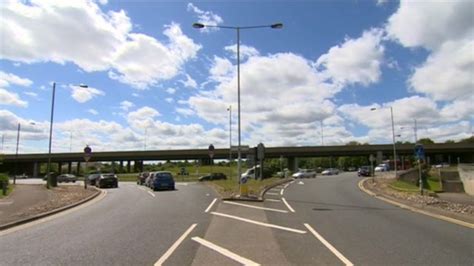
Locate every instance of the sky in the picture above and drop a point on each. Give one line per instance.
(155, 82)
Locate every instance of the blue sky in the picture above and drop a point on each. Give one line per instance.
(153, 78)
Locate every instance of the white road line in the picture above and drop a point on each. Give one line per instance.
(259, 223)
(255, 207)
(210, 205)
(287, 205)
(287, 184)
(141, 188)
(273, 200)
(225, 252)
(329, 246)
(281, 191)
(174, 246)
(270, 193)
(151, 193)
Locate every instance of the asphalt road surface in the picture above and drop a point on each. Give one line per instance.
(321, 221)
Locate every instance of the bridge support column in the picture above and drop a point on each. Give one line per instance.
(128, 167)
(121, 167)
(293, 164)
(141, 166)
(69, 167)
(379, 157)
(113, 166)
(35, 169)
(60, 167)
(78, 168)
(206, 161)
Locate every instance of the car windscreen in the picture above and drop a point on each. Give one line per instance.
(163, 176)
(108, 176)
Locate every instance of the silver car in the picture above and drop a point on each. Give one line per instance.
(304, 173)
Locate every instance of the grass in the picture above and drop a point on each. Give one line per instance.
(9, 190)
(254, 186)
(431, 184)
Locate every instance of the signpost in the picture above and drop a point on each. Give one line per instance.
(261, 157)
(420, 156)
(372, 159)
(211, 154)
(87, 157)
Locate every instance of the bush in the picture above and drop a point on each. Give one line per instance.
(3, 180)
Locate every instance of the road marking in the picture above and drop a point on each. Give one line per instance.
(287, 184)
(151, 193)
(287, 205)
(281, 191)
(273, 200)
(259, 223)
(403, 206)
(174, 246)
(181, 184)
(225, 252)
(300, 183)
(141, 188)
(255, 207)
(210, 205)
(329, 246)
(270, 193)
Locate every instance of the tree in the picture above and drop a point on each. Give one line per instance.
(353, 143)
(467, 140)
(426, 141)
(449, 141)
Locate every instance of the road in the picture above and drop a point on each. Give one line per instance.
(321, 221)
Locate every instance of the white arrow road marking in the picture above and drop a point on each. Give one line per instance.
(329, 246)
(255, 207)
(259, 223)
(225, 252)
(300, 183)
(174, 246)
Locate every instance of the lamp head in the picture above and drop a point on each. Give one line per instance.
(198, 25)
(277, 26)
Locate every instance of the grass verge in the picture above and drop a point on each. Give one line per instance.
(431, 184)
(231, 187)
(9, 191)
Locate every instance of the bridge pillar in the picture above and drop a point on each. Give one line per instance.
(206, 161)
(292, 164)
(121, 167)
(112, 164)
(128, 167)
(35, 170)
(379, 157)
(78, 168)
(141, 166)
(69, 167)
(60, 167)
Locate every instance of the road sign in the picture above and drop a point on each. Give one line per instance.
(371, 158)
(87, 153)
(260, 151)
(211, 151)
(244, 148)
(419, 152)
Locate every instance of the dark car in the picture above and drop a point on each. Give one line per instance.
(67, 178)
(162, 180)
(364, 171)
(213, 176)
(92, 178)
(141, 178)
(107, 180)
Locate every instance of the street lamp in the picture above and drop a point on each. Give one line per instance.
(17, 147)
(238, 28)
(48, 182)
(229, 109)
(393, 140)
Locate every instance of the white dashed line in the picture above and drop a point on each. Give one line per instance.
(259, 223)
(329, 246)
(151, 193)
(174, 246)
(287, 184)
(225, 252)
(281, 191)
(273, 200)
(255, 207)
(271, 193)
(287, 205)
(210, 205)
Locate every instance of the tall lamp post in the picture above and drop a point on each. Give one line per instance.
(17, 147)
(393, 140)
(237, 29)
(229, 109)
(49, 181)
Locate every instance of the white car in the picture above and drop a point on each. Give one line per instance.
(381, 168)
(330, 171)
(304, 173)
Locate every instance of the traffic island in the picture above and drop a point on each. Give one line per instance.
(31, 202)
(459, 212)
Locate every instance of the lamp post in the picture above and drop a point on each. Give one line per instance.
(48, 182)
(237, 29)
(229, 109)
(393, 140)
(17, 148)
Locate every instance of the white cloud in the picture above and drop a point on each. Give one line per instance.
(169, 100)
(430, 24)
(171, 90)
(93, 112)
(48, 31)
(448, 73)
(82, 95)
(381, 2)
(245, 51)
(126, 105)
(184, 112)
(354, 61)
(142, 117)
(205, 17)
(189, 82)
(31, 94)
(7, 79)
(11, 98)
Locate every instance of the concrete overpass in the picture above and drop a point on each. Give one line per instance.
(464, 151)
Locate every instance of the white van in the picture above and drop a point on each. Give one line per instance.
(250, 173)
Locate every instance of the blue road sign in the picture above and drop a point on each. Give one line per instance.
(419, 152)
